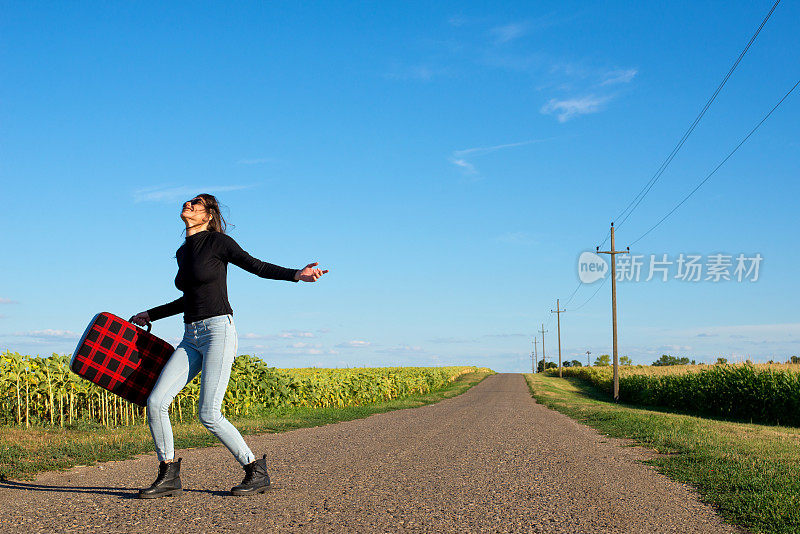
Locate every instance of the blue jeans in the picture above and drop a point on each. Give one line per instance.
(209, 346)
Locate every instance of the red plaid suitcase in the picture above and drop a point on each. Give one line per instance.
(120, 357)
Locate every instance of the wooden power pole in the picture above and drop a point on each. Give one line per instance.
(558, 311)
(613, 253)
(535, 355)
(544, 359)
(588, 352)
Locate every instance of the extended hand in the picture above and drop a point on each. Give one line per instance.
(309, 273)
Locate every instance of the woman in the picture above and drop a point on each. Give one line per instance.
(209, 342)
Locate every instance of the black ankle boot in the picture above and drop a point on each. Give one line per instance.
(167, 483)
(256, 479)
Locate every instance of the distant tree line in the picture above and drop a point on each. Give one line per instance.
(604, 360)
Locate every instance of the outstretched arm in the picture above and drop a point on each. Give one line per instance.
(309, 273)
(232, 252)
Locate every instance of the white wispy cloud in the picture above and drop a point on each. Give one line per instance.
(457, 21)
(251, 335)
(354, 344)
(295, 334)
(572, 107)
(8, 301)
(161, 193)
(619, 76)
(304, 345)
(480, 150)
(458, 157)
(468, 167)
(47, 334)
(286, 334)
(509, 32)
(402, 349)
(674, 348)
(447, 340)
(516, 238)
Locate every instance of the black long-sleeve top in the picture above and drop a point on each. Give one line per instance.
(202, 276)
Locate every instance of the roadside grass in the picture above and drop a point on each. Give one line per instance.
(27, 451)
(750, 473)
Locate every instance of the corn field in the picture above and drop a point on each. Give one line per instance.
(44, 391)
(763, 393)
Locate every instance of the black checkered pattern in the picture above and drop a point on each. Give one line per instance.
(121, 357)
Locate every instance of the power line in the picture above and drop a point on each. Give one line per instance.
(731, 153)
(646, 189)
(593, 295)
(573, 293)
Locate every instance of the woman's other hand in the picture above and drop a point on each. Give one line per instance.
(309, 273)
(142, 319)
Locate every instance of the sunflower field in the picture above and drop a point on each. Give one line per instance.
(44, 391)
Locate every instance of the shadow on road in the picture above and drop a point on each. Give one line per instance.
(124, 493)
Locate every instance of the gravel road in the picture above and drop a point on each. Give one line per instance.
(490, 460)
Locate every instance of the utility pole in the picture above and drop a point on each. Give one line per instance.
(544, 359)
(558, 311)
(535, 356)
(588, 352)
(613, 253)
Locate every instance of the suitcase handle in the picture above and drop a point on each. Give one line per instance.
(149, 325)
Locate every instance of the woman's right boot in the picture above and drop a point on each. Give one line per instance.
(167, 483)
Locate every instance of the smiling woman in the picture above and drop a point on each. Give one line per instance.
(209, 343)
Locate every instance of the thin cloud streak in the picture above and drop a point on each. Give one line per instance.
(47, 334)
(162, 193)
(509, 32)
(478, 151)
(573, 107)
(619, 76)
(354, 344)
(468, 167)
(286, 334)
(458, 157)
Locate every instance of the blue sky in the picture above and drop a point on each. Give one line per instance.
(448, 163)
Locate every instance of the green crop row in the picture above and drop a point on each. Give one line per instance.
(757, 393)
(36, 390)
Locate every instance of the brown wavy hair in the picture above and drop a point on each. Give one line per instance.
(217, 222)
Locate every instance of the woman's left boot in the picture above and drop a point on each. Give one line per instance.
(256, 479)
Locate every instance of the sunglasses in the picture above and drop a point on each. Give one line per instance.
(195, 201)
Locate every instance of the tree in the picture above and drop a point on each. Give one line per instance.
(576, 363)
(604, 360)
(625, 360)
(722, 361)
(666, 359)
(567, 363)
(794, 359)
(550, 365)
